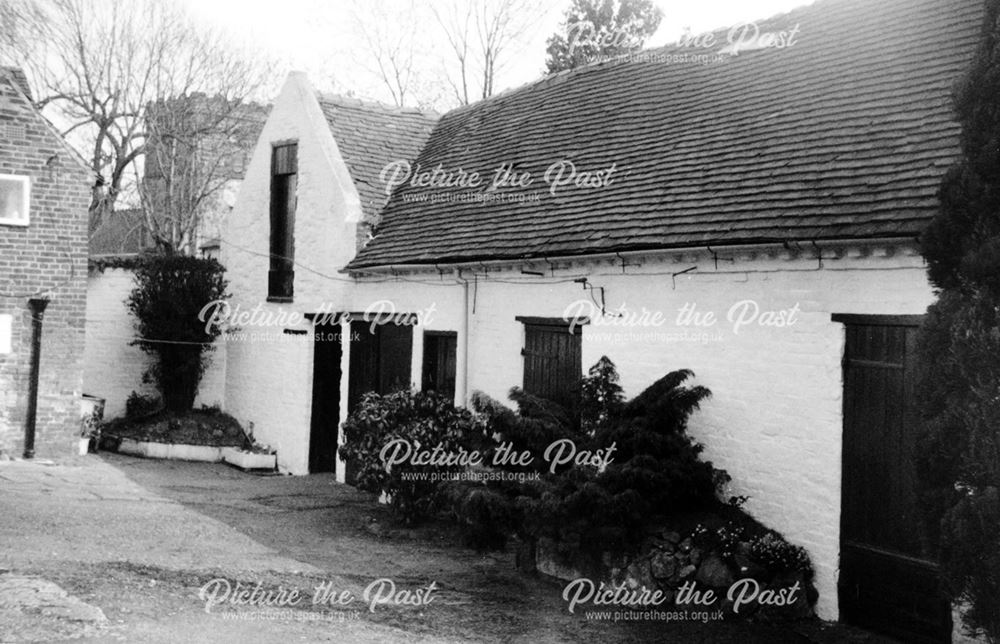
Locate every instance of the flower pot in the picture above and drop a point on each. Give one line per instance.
(84, 445)
(91, 415)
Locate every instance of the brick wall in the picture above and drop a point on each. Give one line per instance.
(48, 257)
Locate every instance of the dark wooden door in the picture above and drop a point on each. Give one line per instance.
(325, 423)
(889, 581)
(380, 361)
(552, 361)
(440, 361)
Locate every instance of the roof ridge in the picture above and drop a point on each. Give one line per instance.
(621, 59)
(351, 101)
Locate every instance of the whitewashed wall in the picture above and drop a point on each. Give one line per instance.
(774, 421)
(112, 367)
(269, 375)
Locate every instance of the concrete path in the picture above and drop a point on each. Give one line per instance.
(117, 549)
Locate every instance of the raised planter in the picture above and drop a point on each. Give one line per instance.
(249, 460)
(146, 449)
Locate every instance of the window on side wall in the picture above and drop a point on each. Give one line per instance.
(15, 199)
(284, 179)
(440, 353)
(553, 356)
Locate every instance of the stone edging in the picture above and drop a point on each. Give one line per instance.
(200, 453)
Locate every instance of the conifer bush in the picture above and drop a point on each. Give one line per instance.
(656, 468)
(170, 292)
(959, 349)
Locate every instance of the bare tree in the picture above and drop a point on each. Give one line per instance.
(389, 39)
(15, 18)
(479, 33)
(196, 151)
(455, 21)
(99, 64)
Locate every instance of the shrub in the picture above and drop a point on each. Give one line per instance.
(137, 405)
(170, 292)
(766, 548)
(959, 448)
(656, 468)
(959, 451)
(601, 396)
(425, 420)
(486, 515)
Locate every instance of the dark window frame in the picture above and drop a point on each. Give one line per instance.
(281, 241)
(427, 369)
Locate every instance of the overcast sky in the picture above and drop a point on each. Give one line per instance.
(316, 36)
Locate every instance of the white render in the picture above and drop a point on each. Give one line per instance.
(774, 421)
(113, 367)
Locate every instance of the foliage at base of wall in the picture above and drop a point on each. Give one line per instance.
(636, 473)
(101, 264)
(752, 572)
(419, 418)
(170, 293)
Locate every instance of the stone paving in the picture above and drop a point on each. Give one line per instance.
(35, 610)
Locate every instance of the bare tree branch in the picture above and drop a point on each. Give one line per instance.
(101, 65)
(480, 33)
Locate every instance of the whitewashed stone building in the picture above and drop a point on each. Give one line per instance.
(753, 217)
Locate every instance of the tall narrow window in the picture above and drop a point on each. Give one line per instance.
(284, 174)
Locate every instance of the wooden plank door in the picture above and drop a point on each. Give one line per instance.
(889, 581)
(380, 361)
(552, 362)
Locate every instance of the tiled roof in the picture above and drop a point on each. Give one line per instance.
(844, 134)
(370, 135)
(120, 233)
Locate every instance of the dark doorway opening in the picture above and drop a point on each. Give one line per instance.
(889, 580)
(325, 425)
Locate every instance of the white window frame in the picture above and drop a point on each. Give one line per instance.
(25, 201)
(6, 333)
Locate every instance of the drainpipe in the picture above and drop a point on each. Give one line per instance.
(37, 313)
(462, 377)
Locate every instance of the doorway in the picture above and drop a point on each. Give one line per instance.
(325, 425)
(889, 582)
